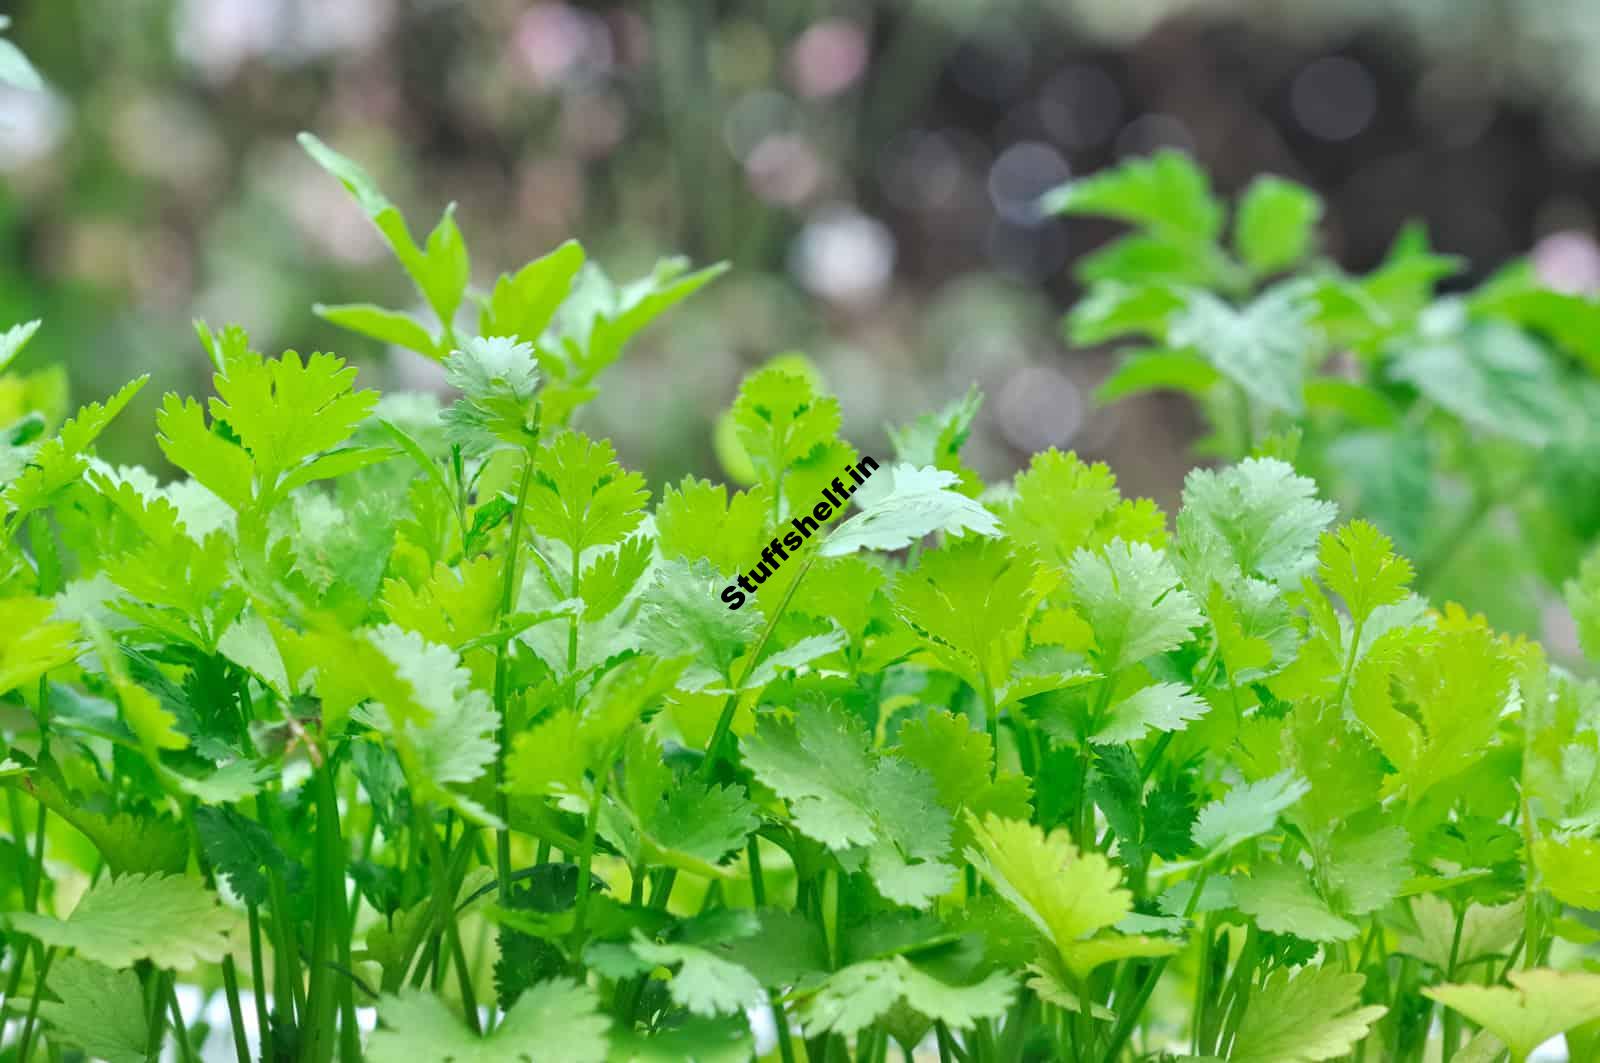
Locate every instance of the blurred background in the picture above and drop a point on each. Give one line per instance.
(870, 168)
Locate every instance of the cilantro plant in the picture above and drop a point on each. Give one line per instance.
(1464, 425)
(429, 719)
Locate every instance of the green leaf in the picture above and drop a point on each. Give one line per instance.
(1358, 563)
(1246, 811)
(170, 920)
(440, 270)
(498, 379)
(936, 439)
(1166, 192)
(1130, 595)
(1258, 518)
(969, 603)
(1066, 894)
(960, 760)
(681, 615)
(385, 326)
(13, 339)
(858, 995)
(220, 466)
(1283, 901)
(61, 461)
(1276, 223)
(1159, 369)
(239, 849)
(1263, 347)
(1567, 869)
(35, 644)
(284, 410)
(557, 1021)
(1061, 505)
(902, 504)
(522, 305)
(1494, 377)
(1583, 598)
(704, 983)
(1158, 707)
(781, 420)
(581, 497)
(843, 795)
(683, 822)
(1304, 1017)
(1112, 309)
(1542, 1004)
(100, 1010)
(699, 519)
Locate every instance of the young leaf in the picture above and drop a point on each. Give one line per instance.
(1066, 894)
(1282, 900)
(34, 643)
(1158, 707)
(781, 420)
(1166, 192)
(1358, 563)
(581, 497)
(1583, 598)
(498, 380)
(1257, 517)
(1276, 223)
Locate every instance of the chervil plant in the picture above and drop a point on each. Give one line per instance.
(429, 719)
(1464, 425)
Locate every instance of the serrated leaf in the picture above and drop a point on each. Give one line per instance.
(34, 643)
(1131, 597)
(1258, 518)
(704, 983)
(1283, 901)
(901, 505)
(1583, 598)
(1247, 811)
(170, 920)
(1158, 707)
(499, 381)
(61, 460)
(1568, 869)
(1066, 894)
(99, 1010)
(557, 1021)
(1358, 563)
(1540, 1004)
(1304, 1017)
(1263, 347)
(855, 997)
(581, 497)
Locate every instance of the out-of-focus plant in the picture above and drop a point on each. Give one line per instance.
(1465, 424)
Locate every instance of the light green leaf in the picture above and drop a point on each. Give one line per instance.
(522, 305)
(13, 339)
(1275, 224)
(1258, 518)
(100, 1010)
(1131, 597)
(1166, 192)
(1247, 811)
(1570, 869)
(34, 643)
(581, 497)
(170, 920)
(1282, 900)
(1583, 598)
(498, 379)
(557, 1021)
(385, 326)
(1263, 347)
(1542, 1004)
(1158, 707)
(1310, 1015)
(902, 504)
(857, 996)
(704, 983)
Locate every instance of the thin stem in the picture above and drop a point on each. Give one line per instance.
(758, 893)
(179, 1030)
(25, 1047)
(502, 678)
(586, 857)
(258, 976)
(452, 933)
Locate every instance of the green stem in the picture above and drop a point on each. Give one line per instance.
(591, 826)
(328, 916)
(25, 1046)
(452, 933)
(758, 892)
(179, 1030)
(1128, 1017)
(502, 678)
(1452, 1020)
(258, 976)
